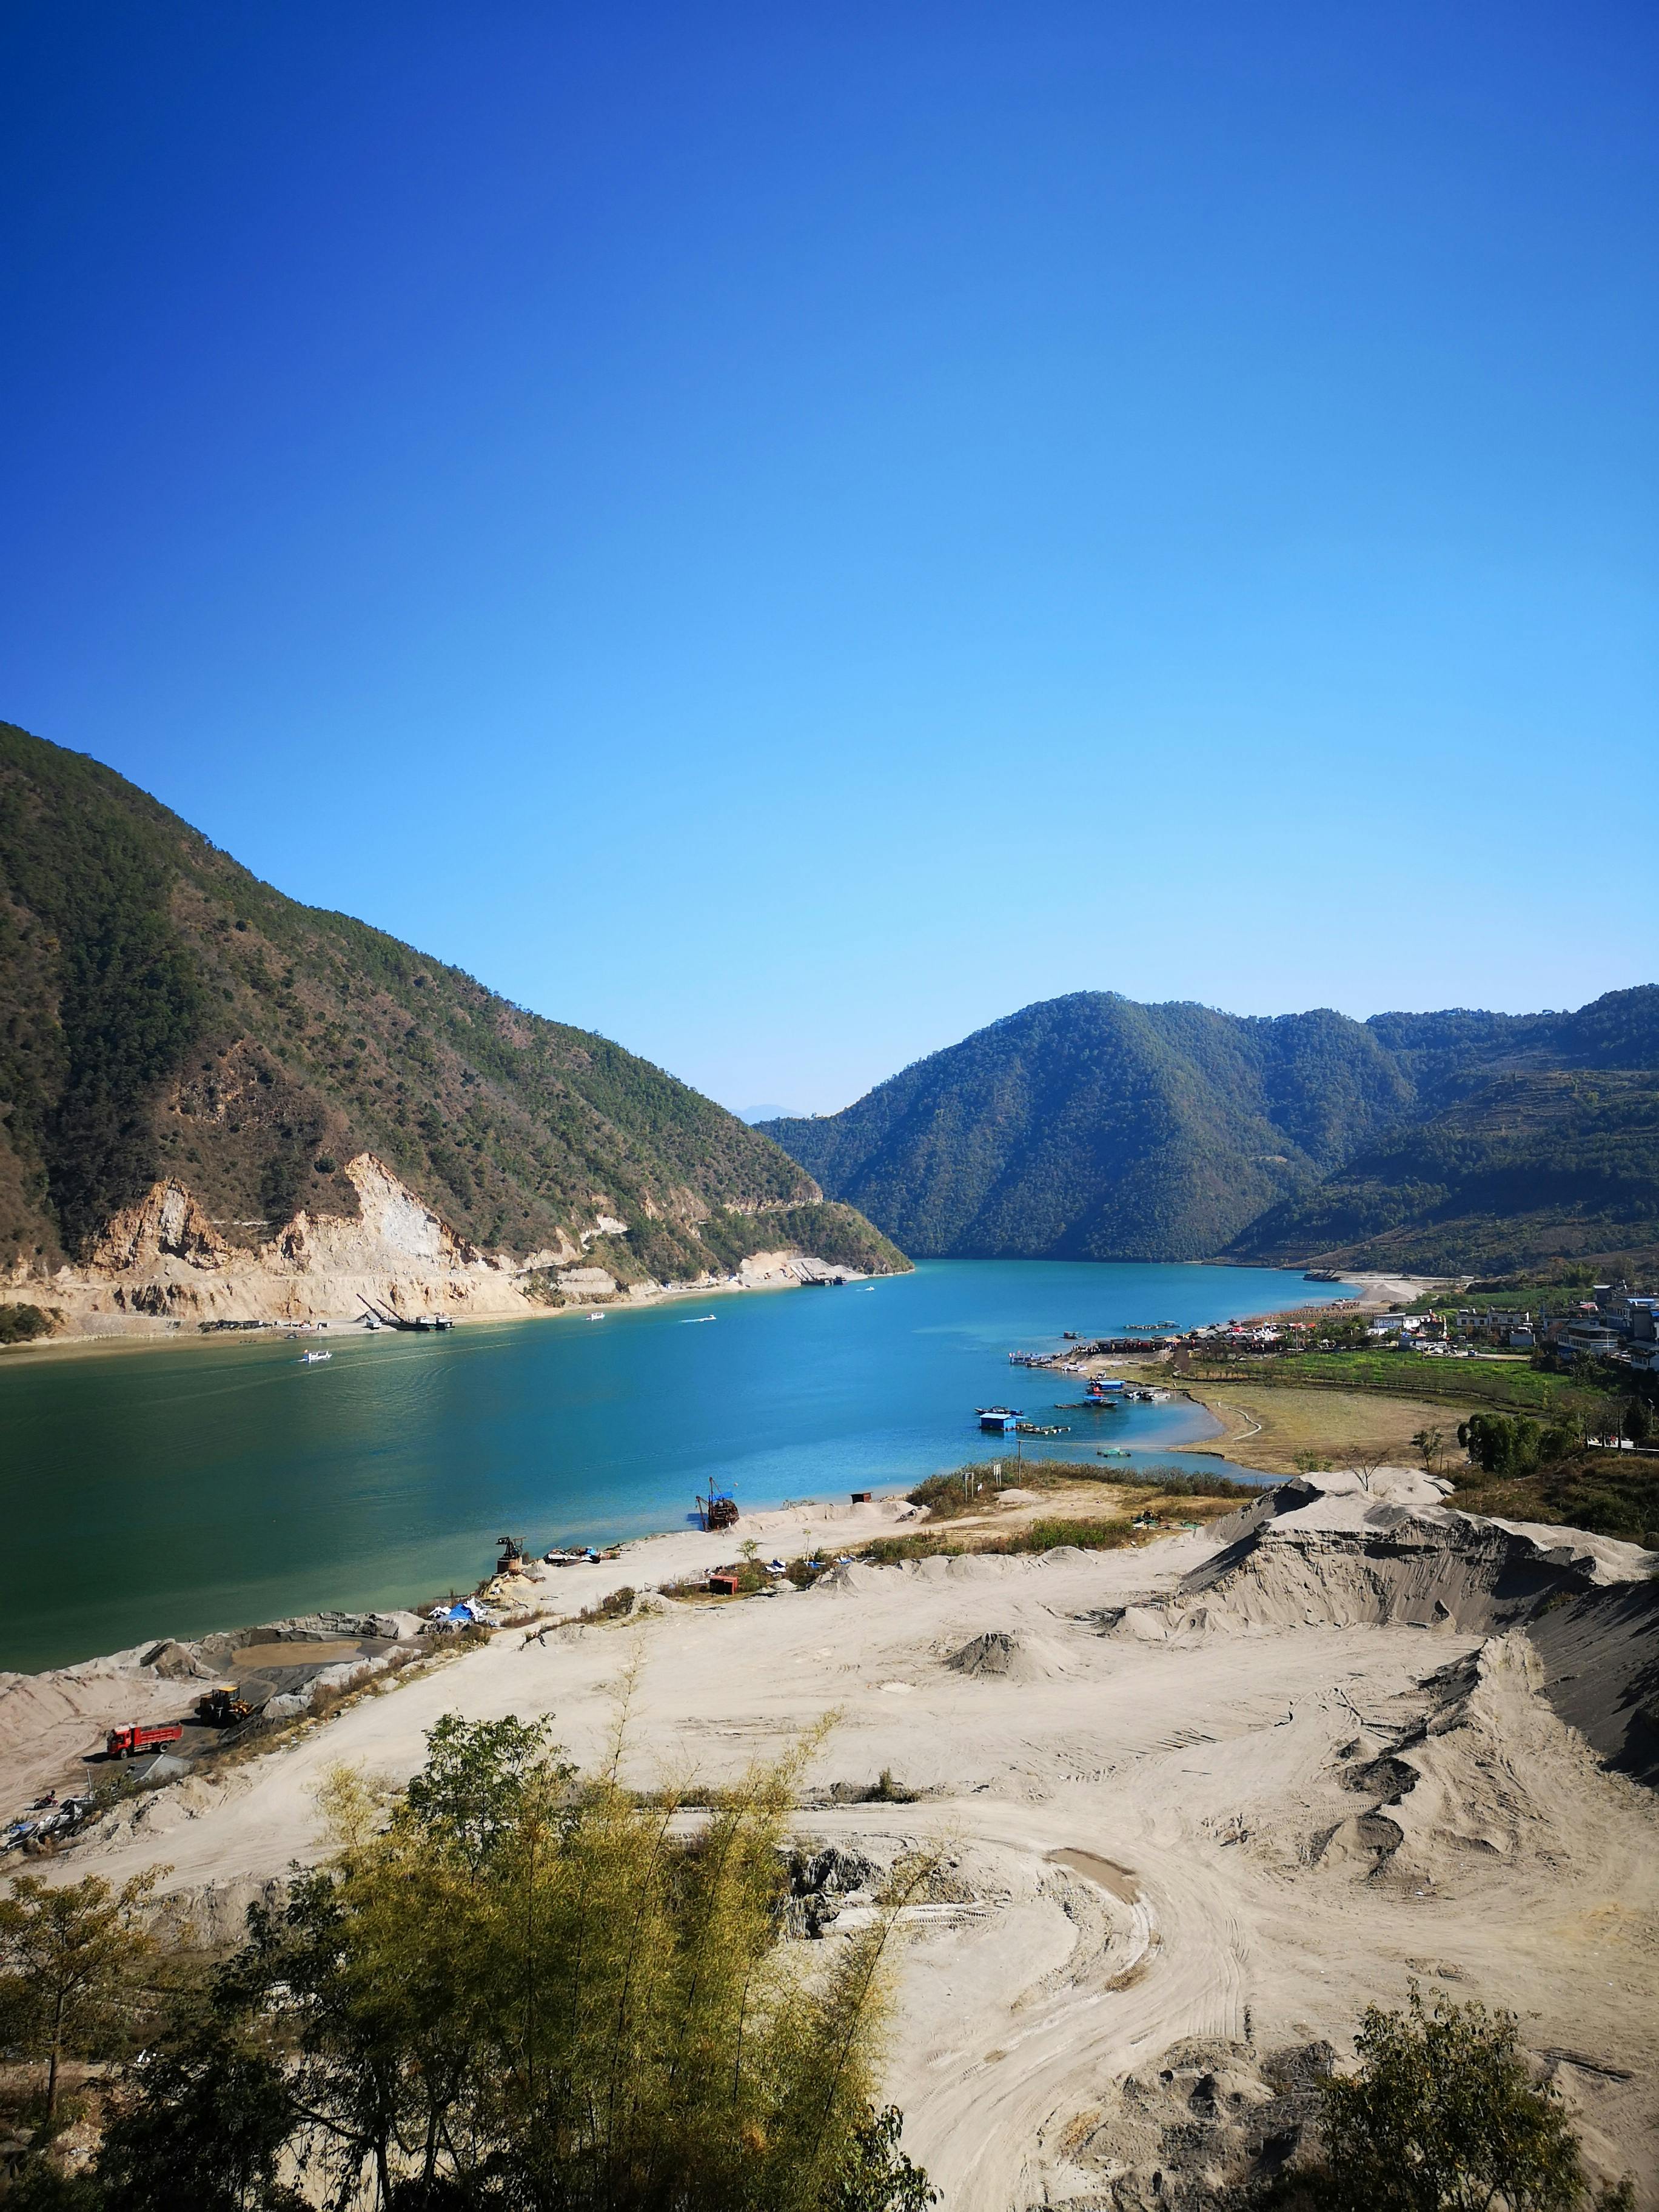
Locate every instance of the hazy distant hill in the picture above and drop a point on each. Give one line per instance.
(1091, 1127)
(163, 1013)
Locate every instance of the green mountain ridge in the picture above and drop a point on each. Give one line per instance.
(1529, 1169)
(163, 1013)
(1091, 1127)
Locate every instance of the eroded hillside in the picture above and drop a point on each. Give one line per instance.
(167, 1020)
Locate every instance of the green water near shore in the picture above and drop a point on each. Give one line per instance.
(212, 1484)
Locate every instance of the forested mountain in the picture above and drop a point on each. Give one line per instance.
(1527, 1169)
(1093, 1127)
(164, 1013)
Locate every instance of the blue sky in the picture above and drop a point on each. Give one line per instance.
(784, 534)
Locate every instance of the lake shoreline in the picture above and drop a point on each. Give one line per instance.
(43, 1711)
(197, 1493)
(1377, 1292)
(890, 1502)
(351, 1329)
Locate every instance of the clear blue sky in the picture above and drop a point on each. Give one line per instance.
(784, 533)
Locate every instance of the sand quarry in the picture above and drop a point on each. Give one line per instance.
(1195, 1804)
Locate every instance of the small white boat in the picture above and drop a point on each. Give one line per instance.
(313, 1359)
(596, 1316)
(692, 1321)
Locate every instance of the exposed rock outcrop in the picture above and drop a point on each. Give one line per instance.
(166, 1226)
(164, 1261)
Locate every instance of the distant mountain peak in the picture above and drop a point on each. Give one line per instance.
(1094, 1127)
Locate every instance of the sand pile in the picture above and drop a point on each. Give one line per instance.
(179, 1662)
(1004, 1655)
(70, 1693)
(1489, 1774)
(1601, 1672)
(1324, 1553)
(214, 1912)
(858, 1577)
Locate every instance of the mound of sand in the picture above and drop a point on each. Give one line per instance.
(1324, 1553)
(1488, 1774)
(179, 1662)
(858, 1577)
(1600, 1666)
(1008, 1655)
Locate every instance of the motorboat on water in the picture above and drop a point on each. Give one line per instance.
(314, 1359)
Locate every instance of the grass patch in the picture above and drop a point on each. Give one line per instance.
(1175, 1482)
(968, 1489)
(615, 1607)
(894, 1551)
(1044, 1535)
(1047, 1536)
(965, 1490)
(1511, 1386)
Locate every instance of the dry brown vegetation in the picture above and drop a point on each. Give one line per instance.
(1274, 1427)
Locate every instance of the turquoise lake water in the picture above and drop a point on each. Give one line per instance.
(175, 1489)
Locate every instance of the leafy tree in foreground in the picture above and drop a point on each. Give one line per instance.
(206, 2125)
(530, 1994)
(877, 2176)
(69, 1957)
(1444, 2116)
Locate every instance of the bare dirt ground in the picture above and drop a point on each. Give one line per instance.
(1160, 1811)
(1267, 1428)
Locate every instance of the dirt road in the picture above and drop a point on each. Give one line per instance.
(1215, 1770)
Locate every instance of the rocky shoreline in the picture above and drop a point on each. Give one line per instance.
(163, 1269)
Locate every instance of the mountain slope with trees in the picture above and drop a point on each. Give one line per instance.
(1530, 1168)
(163, 1013)
(1091, 1127)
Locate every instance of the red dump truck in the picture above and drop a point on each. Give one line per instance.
(122, 1742)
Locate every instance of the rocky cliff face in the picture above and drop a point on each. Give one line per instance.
(164, 1263)
(164, 1260)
